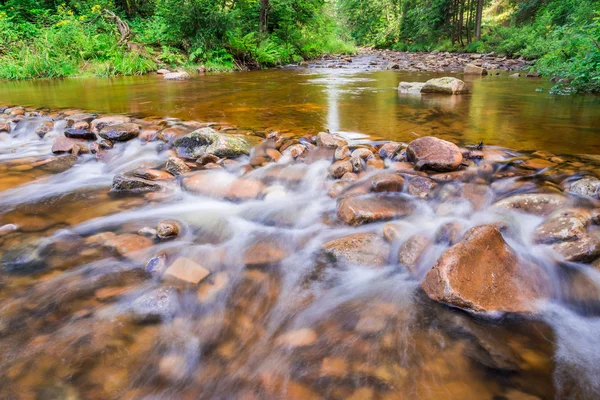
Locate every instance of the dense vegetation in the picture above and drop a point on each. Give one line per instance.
(563, 35)
(57, 38)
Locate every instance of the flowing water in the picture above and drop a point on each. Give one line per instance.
(83, 317)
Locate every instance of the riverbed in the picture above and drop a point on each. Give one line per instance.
(87, 311)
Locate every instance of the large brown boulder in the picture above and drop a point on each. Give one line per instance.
(367, 249)
(435, 154)
(358, 210)
(482, 273)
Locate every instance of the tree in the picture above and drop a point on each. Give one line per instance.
(263, 23)
(478, 17)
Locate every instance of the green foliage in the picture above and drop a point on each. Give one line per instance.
(60, 38)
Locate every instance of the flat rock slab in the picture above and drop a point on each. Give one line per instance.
(482, 273)
(221, 184)
(542, 204)
(358, 210)
(185, 271)
(366, 249)
(563, 225)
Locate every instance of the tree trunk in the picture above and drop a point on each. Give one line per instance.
(263, 22)
(478, 17)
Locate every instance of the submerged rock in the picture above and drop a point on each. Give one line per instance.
(120, 132)
(360, 210)
(563, 225)
(159, 304)
(542, 204)
(412, 250)
(585, 249)
(482, 273)
(435, 154)
(366, 249)
(410, 87)
(446, 85)
(264, 253)
(208, 141)
(177, 76)
(587, 187)
(223, 185)
(185, 271)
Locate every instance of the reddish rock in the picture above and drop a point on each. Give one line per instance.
(168, 229)
(340, 168)
(64, 144)
(125, 183)
(392, 232)
(435, 154)
(325, 139)
(129, 243)
(366, 249)
(362, 153)
(390, 150)
(360, 210)
(4, 126)
(421, 187)
(172, 133)
(375, 163)
(387, 182)
(153, 174)
(342, 153)
(264, 253)
(483, 274)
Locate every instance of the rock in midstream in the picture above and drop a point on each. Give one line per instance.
(542, 204)
(208, 141)
(446, 85)
(358, 210)
(482, 273)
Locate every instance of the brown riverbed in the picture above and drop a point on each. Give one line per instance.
(84, 313)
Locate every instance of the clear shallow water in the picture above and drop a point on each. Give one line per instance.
(80, 318)
(500, 111)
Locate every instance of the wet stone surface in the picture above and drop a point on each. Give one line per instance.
(211, 262)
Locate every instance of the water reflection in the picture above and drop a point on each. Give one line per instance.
(500, 111)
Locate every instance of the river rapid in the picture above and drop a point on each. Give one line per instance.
(129, 271)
